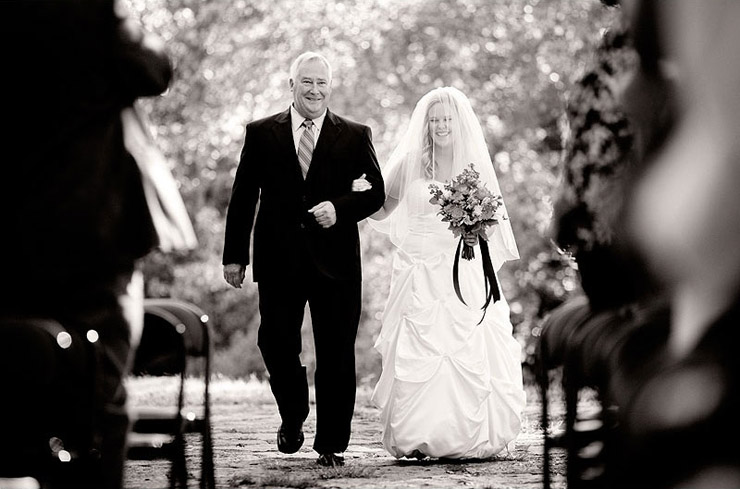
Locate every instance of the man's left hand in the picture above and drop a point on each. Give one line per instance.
(324, 213)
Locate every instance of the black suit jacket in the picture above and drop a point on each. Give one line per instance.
(269, 172)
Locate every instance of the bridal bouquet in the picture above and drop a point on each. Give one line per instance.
(470, 208)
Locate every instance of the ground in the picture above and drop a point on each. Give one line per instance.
(245, 421)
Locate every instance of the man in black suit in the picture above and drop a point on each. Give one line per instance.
(306, 249)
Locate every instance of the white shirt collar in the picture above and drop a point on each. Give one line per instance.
(297, 119)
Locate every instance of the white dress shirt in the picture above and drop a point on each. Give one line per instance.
(297, 119)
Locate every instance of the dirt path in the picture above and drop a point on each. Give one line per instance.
(244, 422)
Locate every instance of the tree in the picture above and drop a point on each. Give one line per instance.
(515, 59)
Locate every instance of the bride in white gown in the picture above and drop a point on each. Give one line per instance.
(450, 387)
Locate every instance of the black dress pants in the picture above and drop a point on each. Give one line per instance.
(335, 314)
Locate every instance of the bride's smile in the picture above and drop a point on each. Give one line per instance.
(440, 125)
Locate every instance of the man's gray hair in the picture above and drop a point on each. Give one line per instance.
(308, 56)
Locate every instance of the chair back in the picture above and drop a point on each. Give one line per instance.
(192, 323)
(161, 350)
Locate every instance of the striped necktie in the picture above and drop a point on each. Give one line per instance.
(305, 146)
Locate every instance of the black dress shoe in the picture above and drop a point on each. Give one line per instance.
(290, 440)
(330, 460)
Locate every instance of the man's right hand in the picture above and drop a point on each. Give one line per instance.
(234, 274)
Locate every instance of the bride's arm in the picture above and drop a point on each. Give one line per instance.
(388, 206)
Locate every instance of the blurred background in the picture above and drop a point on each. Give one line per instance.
(517, 60)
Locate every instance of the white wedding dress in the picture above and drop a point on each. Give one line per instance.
(450, 387)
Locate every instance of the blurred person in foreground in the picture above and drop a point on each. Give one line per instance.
(606, 151)
(682, 425)
(75, 216)
(299, 164)
(677, 227)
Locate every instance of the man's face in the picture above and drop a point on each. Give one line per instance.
(311, 88)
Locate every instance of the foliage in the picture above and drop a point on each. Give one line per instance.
(516, 60)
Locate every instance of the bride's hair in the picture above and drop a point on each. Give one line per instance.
(427, 159)
(428, 163)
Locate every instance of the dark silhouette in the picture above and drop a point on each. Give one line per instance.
(661, 357)
(75, 221)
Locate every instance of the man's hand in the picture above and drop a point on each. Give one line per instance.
(324, 213)
(234, 274)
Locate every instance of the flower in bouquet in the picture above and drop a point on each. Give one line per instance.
(468, 206)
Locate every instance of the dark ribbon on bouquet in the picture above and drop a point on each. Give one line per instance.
(493, 293)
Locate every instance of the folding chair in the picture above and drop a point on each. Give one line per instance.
(599, 351)
(174, 341)
(563, 336)
(46, 414)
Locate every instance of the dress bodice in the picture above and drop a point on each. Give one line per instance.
(427, 234)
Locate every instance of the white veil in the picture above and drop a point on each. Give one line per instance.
(413, 162)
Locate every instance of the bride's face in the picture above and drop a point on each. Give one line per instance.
(440, 124)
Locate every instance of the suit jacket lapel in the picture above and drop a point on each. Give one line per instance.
(283, 131)
(330, 130)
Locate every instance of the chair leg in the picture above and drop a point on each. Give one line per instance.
(571, 410)
(207, 477)
(179, 478)
(544, 389)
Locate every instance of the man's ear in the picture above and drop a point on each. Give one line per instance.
(290, 82)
